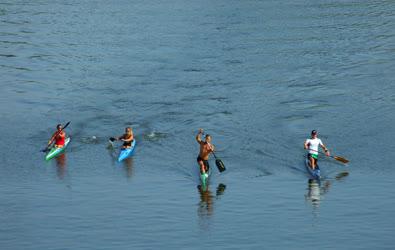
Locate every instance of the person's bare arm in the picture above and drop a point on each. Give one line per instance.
(128, 139)
(306, 145)
(52, 139)
(212, 148)
(61, 134)
(325, 149)
(198, 139)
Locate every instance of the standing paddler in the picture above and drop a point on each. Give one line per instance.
(206, 148)
(312, 145)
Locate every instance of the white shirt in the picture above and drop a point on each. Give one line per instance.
(313, 145)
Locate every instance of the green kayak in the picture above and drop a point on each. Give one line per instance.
(57, 151)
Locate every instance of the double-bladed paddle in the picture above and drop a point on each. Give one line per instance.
(53, 138)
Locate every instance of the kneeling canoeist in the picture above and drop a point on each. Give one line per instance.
(206, 148)
(59, 137)
(127, 138)
(312, 145)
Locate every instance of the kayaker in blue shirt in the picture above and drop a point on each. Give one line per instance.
(312, 145)
(206, 148)
(127, 138)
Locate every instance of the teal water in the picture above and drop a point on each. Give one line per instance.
(257, 75)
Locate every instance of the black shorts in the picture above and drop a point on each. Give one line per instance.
(127, 144)
(205, 163)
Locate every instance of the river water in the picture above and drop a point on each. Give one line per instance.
(257, 75)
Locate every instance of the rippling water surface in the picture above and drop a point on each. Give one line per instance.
(257, 75)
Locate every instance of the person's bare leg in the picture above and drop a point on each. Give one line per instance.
(202, 168)
(312, 162)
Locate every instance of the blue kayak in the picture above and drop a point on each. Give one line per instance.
(314, 173)
(126, 152)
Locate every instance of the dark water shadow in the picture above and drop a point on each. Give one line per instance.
(128, 166)
(61, 166)
(127, 163)
(341, 176)
(61, 169)
(206, 203)
(316, 189)
(205, 207)
(112, 152)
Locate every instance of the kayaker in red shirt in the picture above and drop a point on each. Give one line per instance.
(59, 137)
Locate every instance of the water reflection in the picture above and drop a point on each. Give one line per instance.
(205, 207)
(341, 175)
(316, 189)
(61, 166)
(111, 152)
(220, 189)
(128, 165)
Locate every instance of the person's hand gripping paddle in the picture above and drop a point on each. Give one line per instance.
(53, 138)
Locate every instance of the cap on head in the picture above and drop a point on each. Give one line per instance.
(314, 132)
(59, 126)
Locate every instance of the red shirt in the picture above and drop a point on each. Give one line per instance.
(60, 139)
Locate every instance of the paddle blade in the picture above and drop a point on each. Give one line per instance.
(44, 150)
(341, 175)
(220, 165)
(220, 189)
(67, 124)
(338, 158)
(111, 143)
